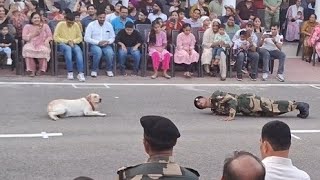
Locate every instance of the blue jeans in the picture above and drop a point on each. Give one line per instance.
(97, 51)
(268, 55)
(216, 52)
(123, 58)
(67, 52)
(6, 50)
(253, 58)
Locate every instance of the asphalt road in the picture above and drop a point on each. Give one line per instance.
(98, 146)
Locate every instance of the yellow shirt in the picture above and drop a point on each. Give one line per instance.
(63, 33)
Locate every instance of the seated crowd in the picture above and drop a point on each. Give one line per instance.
(214, 42)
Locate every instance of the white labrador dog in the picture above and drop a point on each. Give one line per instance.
(85, 106)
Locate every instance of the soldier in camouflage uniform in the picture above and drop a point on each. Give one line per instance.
(160, 135)
(223, 103)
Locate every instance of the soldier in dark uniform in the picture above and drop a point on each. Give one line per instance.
(223, 103)
(160, 135)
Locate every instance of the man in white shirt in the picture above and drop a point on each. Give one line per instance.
(157, 12)
(274, 147)
(270, 47)
(100, 36)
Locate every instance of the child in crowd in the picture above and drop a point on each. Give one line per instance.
(241, 45)
(185, 53)
(77, 19)
(299, 17)
(175, 5)
(6, 40)
(162, 24)
(222, 38)
(157, 50)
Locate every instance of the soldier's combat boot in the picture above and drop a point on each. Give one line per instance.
(304, 109)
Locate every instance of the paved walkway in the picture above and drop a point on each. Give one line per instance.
(296, 71)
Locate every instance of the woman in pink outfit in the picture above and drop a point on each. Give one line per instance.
(185, 53)
(37, 37)
(314, 39)
(157, 50)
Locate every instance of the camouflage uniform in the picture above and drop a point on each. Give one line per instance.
(157, 167)
(224, 103)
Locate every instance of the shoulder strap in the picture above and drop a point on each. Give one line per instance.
(121, 171)
(193, 171)
(156, 169)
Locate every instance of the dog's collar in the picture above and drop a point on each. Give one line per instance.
(92, 106)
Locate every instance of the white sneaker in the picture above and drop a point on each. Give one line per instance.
(81, 77)
(244, 71)
(94, 74)
(70, 76)
(264, 76)
(9, 61)
(280, 77)
(110, 73)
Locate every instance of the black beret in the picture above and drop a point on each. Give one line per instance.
(159, 129)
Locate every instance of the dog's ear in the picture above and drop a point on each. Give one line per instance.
(89, 98)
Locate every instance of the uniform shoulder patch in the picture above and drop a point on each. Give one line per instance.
(126, 168)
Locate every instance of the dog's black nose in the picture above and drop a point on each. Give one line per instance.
(100, 100)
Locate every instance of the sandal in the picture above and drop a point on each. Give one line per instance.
(154, 76)
(39, 73)
(188, 75)
(167, 76)
(31, 74)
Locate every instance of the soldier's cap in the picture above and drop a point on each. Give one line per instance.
(196, 100)
(159, 129)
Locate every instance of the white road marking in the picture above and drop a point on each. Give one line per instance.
(116, 97)
(295, 136)
(305, 131)
(192, 88)
(314, 86)
(42, 134)
(84, 86)
(159, 84)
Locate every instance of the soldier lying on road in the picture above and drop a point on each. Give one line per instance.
(223, 103)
